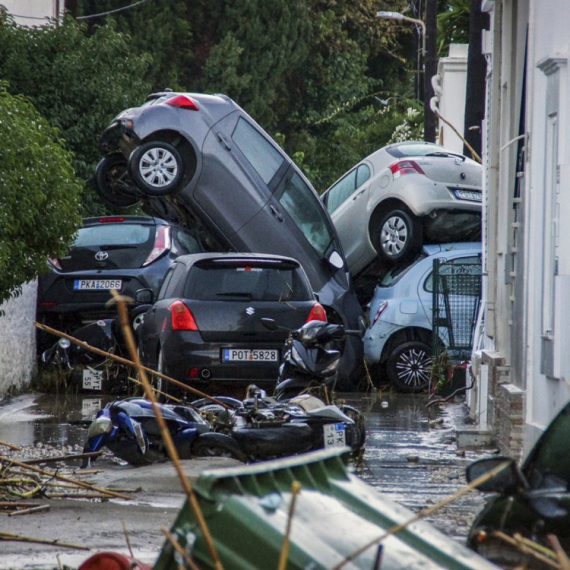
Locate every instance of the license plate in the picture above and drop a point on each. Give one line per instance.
(468, 195)
(97, 284)
(249, 355)
(335, 435)
(92, 379)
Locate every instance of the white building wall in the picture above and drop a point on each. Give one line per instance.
(33, 12)
(452, 75)
(18, 340)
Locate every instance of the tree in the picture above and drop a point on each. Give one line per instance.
(77, 83)
(39, 197)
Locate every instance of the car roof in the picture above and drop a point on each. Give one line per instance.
(192, 258)
(122, 218)
(447, 248)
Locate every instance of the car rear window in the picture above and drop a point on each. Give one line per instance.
(397, 272)
(419, 150)
(215, 281)
(113, 234)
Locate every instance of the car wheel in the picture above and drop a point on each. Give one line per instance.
(113, 183)
(156, 167)
(409, 366)
(217, 445)
(397, 236)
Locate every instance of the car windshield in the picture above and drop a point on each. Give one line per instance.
(307, 212)
(420, 149)
(113, 234)
(394, 274)
(252, 281)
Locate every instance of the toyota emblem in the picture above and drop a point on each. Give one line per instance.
(101, 255)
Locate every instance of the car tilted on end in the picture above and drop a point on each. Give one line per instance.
(402, 196)
(205, 325)
(202, 160)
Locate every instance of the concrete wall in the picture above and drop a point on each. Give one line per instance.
(18, 341)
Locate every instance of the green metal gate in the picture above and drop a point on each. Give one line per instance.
(456, 299)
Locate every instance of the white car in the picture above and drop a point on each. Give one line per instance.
(401, 331)
(402, 196)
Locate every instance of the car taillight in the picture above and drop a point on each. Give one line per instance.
(111, 219)
(181, 318)
(380, 310)
(405, 167)
(317, 313)
(54, 262)
(182, 102)
(162, 244)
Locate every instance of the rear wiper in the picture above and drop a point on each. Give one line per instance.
(235, 294)
(439, 153)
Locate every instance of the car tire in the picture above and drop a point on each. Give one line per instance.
(217, 445)
(113, 183)
(409, 366)
(396, 236)
(157, 168)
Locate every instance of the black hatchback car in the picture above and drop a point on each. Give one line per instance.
(125, 253)
(201, 158)
(533, 501)
(206, 324)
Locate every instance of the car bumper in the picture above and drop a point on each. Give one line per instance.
(189, 359)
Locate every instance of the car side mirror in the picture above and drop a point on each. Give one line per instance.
(509, 479)
(144, 297)
(336, 260)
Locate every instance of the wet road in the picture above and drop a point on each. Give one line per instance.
(409, 456)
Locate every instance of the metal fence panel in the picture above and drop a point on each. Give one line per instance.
(456, 298)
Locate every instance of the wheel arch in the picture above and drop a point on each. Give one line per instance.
(383, 207)
(406, 335)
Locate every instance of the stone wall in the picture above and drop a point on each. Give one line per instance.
(18, 341)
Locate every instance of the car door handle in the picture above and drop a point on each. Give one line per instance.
(276, 212)
(358, 194)
(224, 141)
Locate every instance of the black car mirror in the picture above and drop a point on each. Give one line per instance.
(508, 479)
(144, 297)
(336, 260)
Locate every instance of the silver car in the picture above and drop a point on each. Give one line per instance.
(400, 333)
(402, 196)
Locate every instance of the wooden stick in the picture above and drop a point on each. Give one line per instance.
(164, 431)
(129, 362)
(524, 548)
(284, 554)
(62, 478)
(177, 546)
(11, 446)
(156, 390)
(62, 458)
(423, 513)
(37, 509)
(560, 554)
(14, 537)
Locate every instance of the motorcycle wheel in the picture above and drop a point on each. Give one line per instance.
(217, 445)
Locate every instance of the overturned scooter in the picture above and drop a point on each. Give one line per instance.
(129, 429)
(300, 416)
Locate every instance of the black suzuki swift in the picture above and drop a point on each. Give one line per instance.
(205, 325)
(197, 158)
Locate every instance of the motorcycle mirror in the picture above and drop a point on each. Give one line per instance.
(269, 324)
(336, 260)
(64, 343)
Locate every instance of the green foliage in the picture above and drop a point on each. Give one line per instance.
(453, 25)
(77, 83)
(39, 196)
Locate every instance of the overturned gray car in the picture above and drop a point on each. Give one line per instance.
(202, 161)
